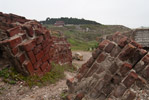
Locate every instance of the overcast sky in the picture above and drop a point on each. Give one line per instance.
(131, 13)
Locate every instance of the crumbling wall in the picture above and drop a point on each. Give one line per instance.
(30, 47)
(141, 36)
(117, 70)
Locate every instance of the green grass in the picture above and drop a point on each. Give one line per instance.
(63, 95)
(82, 45)
(80, 39)
(90, 26)
(11, 76)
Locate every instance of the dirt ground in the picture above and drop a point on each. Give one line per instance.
(49, 92)
(86, 56)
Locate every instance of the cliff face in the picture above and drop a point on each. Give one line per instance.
(117, 70)
(29, 46)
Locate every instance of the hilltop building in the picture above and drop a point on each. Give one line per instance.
(59, 23)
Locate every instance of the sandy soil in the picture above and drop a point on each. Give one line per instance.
(86, 56)
(49, 92)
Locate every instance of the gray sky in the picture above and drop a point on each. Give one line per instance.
(131, 13)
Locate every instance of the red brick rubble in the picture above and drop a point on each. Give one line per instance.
(30, 46)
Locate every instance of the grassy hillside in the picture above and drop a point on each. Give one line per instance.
(83, 37)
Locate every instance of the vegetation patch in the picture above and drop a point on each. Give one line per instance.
(11, 76)
(81, 45)
(64, 95)
(83, 36)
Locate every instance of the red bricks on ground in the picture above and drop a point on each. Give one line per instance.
(119, 91)
(100, 69)
(92, 70)
(14, 31)
(46, 49)
(14, 51)
(103, 44)
(79, 96)
(45, 58)
(125, 68)
(146, 73)
(38, 32)
(116, 79)
(90, 62)
(29, 67)
(109, 47)
(101, 57)
(45, 43)
(123, 41)
(14, 41)
(31, 47)
(47, 35)
(28, 46)
(31, 56)
(39, 39)
(21, 57)
(130, 79)
(39, 55)
(138, 54)
(23, 36)
(117, 37)
(127, 53)
(100, 85)
(142, 64)
(136, 44)
(37, 49)
(140, 82)
(48, 68)
(113, 68)
(146, 59)
(44, 66)
(115, 51)
(108, 89)
(29, 30)
(119, 65)
(131, 96)
(96, 53)
(38, 64)
(83, 69)
(38, 72)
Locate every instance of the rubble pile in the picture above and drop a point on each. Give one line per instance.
(117, 70)
(29, 46)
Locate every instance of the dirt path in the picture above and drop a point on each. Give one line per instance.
(86, 56)
(21, 92)
(50, 92)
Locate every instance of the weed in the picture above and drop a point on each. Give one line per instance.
(2, 88)
(63, 95)
(11, 76)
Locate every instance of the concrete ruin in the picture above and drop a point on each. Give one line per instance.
(29, 46)
(141, 36)
(117, 70)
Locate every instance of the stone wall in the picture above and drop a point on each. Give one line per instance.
(117, 70)
(29, 46)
